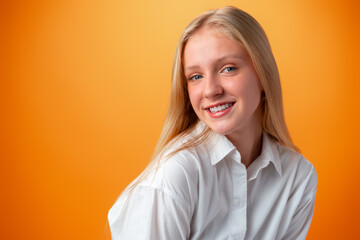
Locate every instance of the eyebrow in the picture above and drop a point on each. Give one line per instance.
(217, 60)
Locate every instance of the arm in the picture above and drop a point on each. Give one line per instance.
(300, 222)
(150, 213)
(159, 207)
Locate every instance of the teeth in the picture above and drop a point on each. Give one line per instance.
(220, 108)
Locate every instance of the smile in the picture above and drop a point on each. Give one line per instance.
(220, 107)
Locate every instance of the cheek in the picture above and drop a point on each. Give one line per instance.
(253, 94)
(238, 87)
(194, 93)
(248, 90)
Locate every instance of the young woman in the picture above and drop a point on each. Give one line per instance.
(225, 166)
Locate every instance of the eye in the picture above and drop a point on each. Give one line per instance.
(195, 77)
(229, 69)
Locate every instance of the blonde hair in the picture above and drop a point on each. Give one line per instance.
(181, 117)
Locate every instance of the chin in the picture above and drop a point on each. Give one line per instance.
(222, 130)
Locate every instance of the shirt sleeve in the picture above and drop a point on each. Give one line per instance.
(300, 222)
(150, 213)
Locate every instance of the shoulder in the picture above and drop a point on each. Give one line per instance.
(297, 170)
(294, 162)
(181, 166)
(162, 199)
(175, 175)
(177, 171)
(174, 180)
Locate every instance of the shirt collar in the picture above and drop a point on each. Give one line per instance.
(221, 147)
(269, 154)
(217, 146)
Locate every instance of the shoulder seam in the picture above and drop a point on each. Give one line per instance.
(168, 193)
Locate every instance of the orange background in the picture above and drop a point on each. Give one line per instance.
(85, 88)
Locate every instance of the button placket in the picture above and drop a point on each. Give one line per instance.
(239, 178)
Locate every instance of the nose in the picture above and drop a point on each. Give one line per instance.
(212, 87)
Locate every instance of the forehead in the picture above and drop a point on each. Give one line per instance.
(210, 44)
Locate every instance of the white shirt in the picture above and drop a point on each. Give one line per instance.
(207, 193)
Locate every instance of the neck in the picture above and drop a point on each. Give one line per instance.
(248, 142)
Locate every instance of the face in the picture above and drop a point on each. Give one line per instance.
(223, 86)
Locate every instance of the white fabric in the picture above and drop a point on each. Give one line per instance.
(207, 193)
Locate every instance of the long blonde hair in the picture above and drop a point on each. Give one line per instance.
(181, 117)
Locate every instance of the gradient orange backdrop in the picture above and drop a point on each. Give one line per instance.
(84, 89)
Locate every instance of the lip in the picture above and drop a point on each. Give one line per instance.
(220, 113)
(218, 104)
